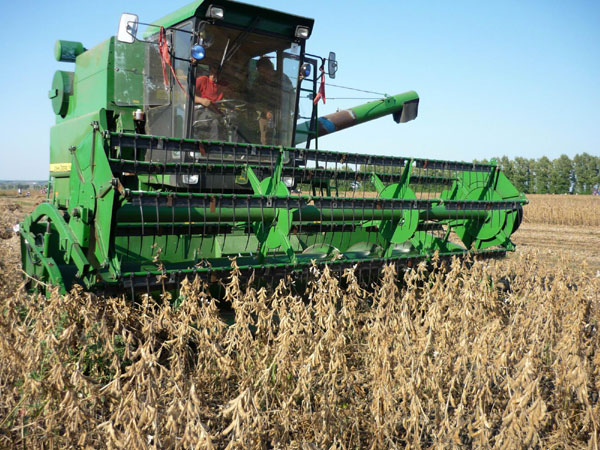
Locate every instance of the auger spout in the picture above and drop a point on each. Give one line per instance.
(403, 107)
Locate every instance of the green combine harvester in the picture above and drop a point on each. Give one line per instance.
(149, 185)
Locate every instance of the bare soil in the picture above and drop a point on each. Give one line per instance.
(579, 244)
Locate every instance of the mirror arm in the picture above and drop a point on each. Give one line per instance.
(135, 39)
(168, 28)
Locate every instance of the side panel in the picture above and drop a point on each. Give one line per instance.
(92, 91)
(129, 73)
(93, 81)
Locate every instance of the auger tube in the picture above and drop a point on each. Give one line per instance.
(403, 107)
(149, 214)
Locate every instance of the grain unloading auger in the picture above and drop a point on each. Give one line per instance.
(148, 187)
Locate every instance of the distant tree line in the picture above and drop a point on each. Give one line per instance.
(30, 185)
(563, 175)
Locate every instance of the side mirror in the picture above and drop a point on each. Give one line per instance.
(332, 65)
(128, 26)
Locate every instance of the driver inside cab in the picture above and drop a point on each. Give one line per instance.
(208, 91)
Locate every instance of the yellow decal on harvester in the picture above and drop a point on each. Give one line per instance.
(60, 167)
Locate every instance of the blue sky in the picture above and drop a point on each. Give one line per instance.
(516, 78)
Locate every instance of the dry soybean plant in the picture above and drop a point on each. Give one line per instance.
(572, 210)
(475, 354)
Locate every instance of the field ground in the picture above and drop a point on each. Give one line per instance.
(499, 353)
(580, 245)
(562, 226)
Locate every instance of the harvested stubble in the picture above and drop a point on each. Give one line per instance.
(576, 210)
(499, 354)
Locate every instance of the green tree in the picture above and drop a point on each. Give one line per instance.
(522, 175)
(506, 166)
(585, 172)
(562, 175)
(543, 174)
(596, 172)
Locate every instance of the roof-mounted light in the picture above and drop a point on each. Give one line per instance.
(215, 12)
(302, 32)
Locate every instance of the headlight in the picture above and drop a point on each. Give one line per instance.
(288, 181)
(302, 32)
(215, 12)
(189, 179)
(194, 155)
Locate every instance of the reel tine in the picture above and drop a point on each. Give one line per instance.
(139, 198)
(214, 234)
(135, 149)
(173, 225)
(293, 164)
(233, 222)
(151, 150)
(157, 225)
(321, 215)
(179, 166)
(203, 222)
(189, 221)
(250, 225)
(300, 223)
(187, 158)
(333, 176)
(331, 222)
(359, 172)
(162, 161)
(219, 224)
(132, 287)
(272, 160)
(360, 268)
(247, 155)
(262, 217)
(222, 175)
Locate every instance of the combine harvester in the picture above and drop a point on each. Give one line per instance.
(148, 186)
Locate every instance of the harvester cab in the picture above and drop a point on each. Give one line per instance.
(195, 143)
(222, 72)
(255, 55)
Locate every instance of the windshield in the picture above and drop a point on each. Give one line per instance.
(249, 97)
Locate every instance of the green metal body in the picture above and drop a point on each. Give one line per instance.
(120, 216)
